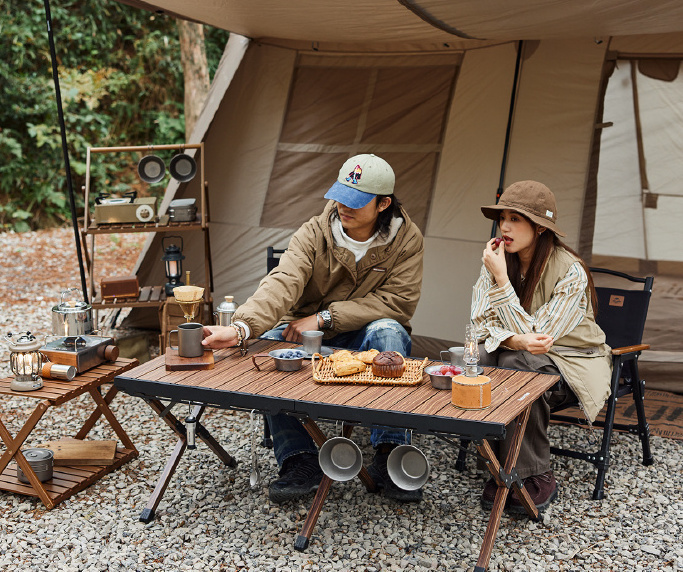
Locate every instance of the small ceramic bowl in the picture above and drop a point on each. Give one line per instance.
(440, 381)
(284, 363)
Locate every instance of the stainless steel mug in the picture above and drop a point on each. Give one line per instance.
(408, 467)
(340, 458)
(313, 341)
(189, 339)
(454, 356)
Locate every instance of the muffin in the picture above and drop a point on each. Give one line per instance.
(388, 364)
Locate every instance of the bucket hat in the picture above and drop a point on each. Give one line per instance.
(530, 198)
(362, 178)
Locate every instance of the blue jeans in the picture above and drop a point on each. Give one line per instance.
(289, 436)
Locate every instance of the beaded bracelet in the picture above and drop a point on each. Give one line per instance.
(241, 342)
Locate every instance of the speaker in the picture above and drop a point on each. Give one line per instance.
(408, 467)
(340, 458)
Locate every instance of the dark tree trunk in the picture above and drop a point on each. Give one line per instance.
(195, 70)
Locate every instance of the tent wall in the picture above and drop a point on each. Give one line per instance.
(551, 140)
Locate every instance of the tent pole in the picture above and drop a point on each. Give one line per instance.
(508, 129)
(67, 165)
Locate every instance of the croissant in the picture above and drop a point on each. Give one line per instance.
(367, 356)
(348, 367)
(340, 356)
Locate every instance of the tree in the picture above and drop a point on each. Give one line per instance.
(122, 84)
(195, 71)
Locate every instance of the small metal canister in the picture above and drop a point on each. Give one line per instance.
(225, 312)
(41, 461)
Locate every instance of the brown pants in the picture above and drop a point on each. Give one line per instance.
(534, 454)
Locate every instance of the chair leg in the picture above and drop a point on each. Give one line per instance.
(462, 455)
(639, 401)
(602, 457)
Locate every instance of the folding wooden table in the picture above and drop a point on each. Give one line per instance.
(235, 384)
(66, 480)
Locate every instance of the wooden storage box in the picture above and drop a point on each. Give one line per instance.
(119, 287)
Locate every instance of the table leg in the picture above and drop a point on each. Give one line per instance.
(302, 540)
(149, 511)
(103, 408)
(178, 428)
(14, 452)
(503, 487)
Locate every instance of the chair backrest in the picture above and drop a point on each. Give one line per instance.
(622, 313)
(272, 258)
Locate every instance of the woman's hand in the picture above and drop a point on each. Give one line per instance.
(293, 331)
(217, 337)
(533, 343)
(494, 261)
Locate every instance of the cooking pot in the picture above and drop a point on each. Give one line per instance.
(71, 317)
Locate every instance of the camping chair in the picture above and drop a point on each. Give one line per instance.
(272, 260)
(621, 314)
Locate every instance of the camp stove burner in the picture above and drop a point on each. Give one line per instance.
(73, 343)
(82, 352)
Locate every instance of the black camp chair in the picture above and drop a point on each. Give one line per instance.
(621, 315)
(272, 260)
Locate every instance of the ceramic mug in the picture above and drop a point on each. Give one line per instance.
(189, 339)
(455, 356)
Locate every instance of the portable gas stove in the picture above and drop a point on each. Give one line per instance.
(82, 352)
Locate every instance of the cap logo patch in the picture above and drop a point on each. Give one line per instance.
(549, 213)
(355, 175)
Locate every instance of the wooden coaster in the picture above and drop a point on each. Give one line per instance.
(176, 363)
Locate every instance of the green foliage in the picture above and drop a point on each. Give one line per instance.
(121, 84)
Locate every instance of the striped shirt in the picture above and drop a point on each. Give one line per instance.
(498, 313)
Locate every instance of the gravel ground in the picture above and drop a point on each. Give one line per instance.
(210, 518)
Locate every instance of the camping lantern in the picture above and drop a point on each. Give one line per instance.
(26, 361)
(173, 261)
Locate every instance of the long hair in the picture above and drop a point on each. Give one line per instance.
(546, 242)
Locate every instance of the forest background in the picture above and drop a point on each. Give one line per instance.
(127, 77)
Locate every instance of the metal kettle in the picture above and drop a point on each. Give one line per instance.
(71, 317)
(225, 311)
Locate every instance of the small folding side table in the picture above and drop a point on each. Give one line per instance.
(66, 480)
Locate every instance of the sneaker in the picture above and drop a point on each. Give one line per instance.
(541, 488)
(300, 475)
(378, 472)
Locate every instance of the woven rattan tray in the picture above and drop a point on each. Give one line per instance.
(323, 373)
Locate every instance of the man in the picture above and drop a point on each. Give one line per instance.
(355, 272)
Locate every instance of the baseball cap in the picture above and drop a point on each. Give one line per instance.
(360, 179)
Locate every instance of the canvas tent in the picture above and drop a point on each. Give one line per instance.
(429, 86)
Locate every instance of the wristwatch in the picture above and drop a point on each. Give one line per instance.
(327, 319)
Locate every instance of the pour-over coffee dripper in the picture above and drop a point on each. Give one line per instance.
(189, 298)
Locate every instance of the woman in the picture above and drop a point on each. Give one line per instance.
(533, 307)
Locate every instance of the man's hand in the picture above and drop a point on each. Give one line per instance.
(533, 343)
(494, 260)
(293, 331)
(217, 337)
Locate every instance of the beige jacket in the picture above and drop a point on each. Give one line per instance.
(314, 274)
(582, 356)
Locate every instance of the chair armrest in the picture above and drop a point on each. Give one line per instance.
(630, 349)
